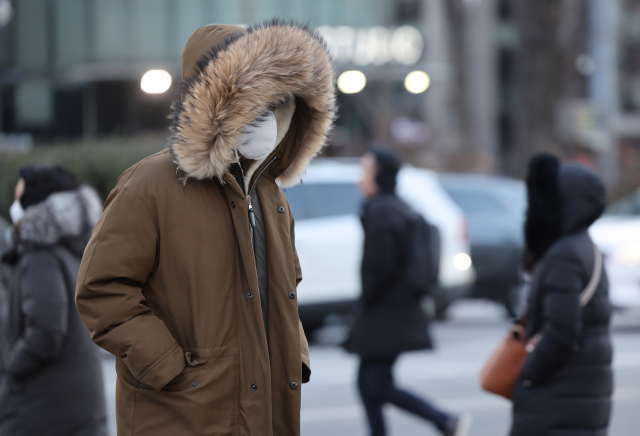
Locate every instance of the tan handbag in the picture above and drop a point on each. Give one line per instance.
(503, 367)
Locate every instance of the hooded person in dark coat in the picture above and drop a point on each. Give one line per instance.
(389, 318)
(50, 375)
(566, 383)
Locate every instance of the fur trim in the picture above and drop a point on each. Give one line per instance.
(237, 81)
(62, 215)
(543, 224)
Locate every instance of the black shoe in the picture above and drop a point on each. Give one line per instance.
(459, 426)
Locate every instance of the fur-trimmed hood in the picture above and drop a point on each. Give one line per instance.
(62, 216)
(231, 75)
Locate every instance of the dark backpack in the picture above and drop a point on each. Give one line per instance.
(423, 256)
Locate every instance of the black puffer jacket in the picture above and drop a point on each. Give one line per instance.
(51, 375)
(566, 384)
(389, 319)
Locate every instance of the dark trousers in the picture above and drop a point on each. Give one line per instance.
(375, 382)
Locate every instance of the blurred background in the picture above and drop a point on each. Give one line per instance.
(465, 90)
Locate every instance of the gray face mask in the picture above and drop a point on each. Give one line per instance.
(16, 211)
(257, 142)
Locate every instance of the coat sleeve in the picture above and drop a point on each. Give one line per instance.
(304, 344)
(562, 320)
(382, 249)
(45, 311)
(117, 262)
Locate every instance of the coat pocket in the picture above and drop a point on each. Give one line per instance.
(201, 400)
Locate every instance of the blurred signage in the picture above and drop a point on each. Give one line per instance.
(374, 46)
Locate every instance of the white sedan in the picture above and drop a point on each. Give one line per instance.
(329, 236)
(617, 234)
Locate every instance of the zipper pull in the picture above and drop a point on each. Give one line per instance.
(252, 215)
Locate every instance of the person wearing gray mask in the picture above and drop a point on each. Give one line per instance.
(190, 278)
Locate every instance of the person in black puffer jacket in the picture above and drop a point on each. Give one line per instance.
(389, 319)
(566, 383)
(51, 374)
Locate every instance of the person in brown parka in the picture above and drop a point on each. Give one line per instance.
(190, 276)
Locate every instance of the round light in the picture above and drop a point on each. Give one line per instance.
(417, 82)
(462, 261)
(155, 81)
(351, 82)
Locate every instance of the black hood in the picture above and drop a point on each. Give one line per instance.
(563, 198)
(583, 197)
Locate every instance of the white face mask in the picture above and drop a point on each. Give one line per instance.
(16, 211)
(259, 141)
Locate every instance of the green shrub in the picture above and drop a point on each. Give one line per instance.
(97, 163)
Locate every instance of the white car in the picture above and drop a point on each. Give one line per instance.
(617, 234)
(329, 236)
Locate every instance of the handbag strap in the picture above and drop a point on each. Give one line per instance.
(587, 293)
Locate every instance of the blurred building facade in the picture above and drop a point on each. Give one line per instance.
(73, 67)
(505, 77)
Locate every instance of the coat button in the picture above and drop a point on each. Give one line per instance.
(281, 209)
(292, 295)
(193, 384)
(254, 387)
(249, 294)
(233, 204)
(293, 385)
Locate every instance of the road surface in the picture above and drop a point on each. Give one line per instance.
(448, 375)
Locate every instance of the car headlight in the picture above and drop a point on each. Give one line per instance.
(628, 254)
(462, 261)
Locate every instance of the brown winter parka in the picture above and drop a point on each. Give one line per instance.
(168, 282)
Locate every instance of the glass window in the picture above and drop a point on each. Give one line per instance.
(318, 200)
(474, 202)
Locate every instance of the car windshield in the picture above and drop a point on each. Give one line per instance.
(319, 200)
(475, 202)
(629, 205)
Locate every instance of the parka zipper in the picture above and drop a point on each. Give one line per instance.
(252, 215)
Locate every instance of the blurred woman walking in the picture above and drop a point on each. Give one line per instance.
(566, 382)
(51, 376)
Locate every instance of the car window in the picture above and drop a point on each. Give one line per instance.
(474, 202)
(629, 205)
(318, 200)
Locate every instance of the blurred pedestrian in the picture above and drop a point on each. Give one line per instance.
(51, 379)
(190, 277)
(389, 317)
(565, 386)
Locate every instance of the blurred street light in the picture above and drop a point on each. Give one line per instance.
(352, 82)
(462, 261)
(155, 81)
(417, 82)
